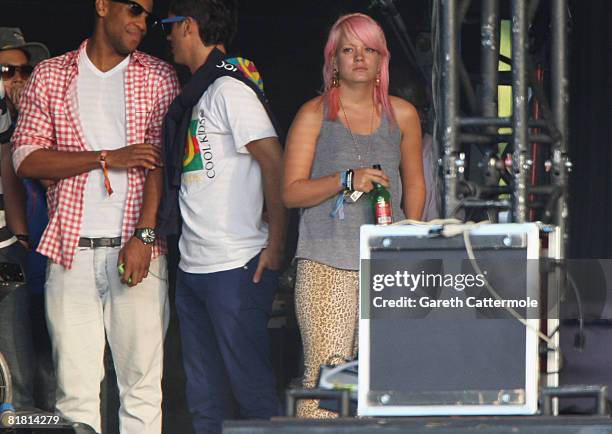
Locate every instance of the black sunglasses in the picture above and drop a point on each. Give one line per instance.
(9, 71)
(137, 10)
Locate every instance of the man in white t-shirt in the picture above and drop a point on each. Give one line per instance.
(226, 278)
(91, 121)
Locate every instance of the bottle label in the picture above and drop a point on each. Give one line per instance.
(384, 214)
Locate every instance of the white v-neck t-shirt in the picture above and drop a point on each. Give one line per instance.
(101, 102)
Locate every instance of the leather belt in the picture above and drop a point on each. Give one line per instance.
(92, 243)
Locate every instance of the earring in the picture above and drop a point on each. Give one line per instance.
(377, 80)
(336, 78)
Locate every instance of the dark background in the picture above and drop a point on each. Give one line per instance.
(286, 39)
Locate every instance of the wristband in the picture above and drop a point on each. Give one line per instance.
(349, 180)
(343, 179)
(104, 165)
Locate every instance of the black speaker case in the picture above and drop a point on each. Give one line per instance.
(517, 399)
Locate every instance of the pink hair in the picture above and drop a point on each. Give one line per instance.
(369, 32)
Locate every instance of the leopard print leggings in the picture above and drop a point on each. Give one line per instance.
(327, 309)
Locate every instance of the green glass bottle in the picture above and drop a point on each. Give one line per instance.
(381, 203)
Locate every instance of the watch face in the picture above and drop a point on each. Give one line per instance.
(146, 235)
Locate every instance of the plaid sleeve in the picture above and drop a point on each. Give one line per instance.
(35, 128)
(167, 90)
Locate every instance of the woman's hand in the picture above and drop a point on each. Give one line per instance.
(365, 176)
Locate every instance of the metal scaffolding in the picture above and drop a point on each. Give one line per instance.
(455, 130)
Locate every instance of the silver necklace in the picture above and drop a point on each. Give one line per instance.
(348, 127)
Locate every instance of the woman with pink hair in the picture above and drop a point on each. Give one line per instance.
(332, 145)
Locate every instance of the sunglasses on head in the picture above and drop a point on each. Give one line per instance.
(166, 23)
(136, 10)
(9, 71)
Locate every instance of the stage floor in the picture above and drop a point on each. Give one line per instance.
(429, 425)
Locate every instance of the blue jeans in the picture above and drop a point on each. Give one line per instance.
(15, 332)
(223, 319)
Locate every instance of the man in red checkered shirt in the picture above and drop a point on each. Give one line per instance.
(91, 121)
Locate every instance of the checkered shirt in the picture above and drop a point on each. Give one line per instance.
(49, 119)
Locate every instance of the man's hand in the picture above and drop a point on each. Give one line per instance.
(25, 243)
(271, 258)
(136, 257)
(14, 95)
(46, 183)
(139, 155)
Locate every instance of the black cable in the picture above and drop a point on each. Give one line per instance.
(551, 203)
(540, 95)
(398, 26)
(579, 338)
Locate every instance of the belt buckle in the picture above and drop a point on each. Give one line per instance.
(91, 243)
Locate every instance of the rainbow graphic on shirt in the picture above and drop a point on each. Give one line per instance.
(248, 69)
(193, 158)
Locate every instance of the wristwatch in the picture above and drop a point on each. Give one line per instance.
(146, 235)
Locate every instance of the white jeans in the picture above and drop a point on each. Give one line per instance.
(85, 302)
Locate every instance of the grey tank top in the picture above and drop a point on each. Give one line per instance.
(332, 241)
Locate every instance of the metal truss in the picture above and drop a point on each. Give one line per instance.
(520, 193)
